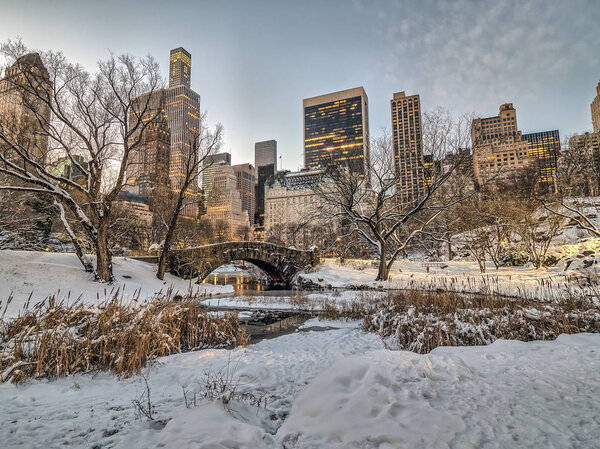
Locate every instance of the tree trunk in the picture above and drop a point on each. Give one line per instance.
(104, 268)
(164, 254)
(383, 272)
(450, 253)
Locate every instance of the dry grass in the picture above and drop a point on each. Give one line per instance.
(54, 339)
(421, 321)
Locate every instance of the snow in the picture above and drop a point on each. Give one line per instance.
(333, 388)
(41, 274)
(459, 276)
(506, 395)
(85, 410)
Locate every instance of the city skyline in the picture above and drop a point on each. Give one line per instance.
(523, 49)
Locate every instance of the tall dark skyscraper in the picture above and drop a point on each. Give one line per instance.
(336, 130)
(407, 138)
(180, 106)
(180, 67)
(545, 147)
(265, 162)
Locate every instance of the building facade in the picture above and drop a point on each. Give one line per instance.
(595, 107)
(265, 153)
(179, 106)
(292, 208)
(336, 130)
(209, 166)
(545, 148)
(224, 206)
(265, 162)
(407, 138)
(500, 153)
(149, 165)
(23, 115)
(245, 183)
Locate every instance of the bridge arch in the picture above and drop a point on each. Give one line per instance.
(280, 263)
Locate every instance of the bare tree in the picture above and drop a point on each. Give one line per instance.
(578, 171)
(370, 204)
(574, 211)
(89, 118)
(206, 142)
(537, 229)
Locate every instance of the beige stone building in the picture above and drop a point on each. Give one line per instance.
(22, 113)
(293, 211)
(224, 206)
(500, 154)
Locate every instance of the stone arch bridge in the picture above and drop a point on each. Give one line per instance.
(280, 263)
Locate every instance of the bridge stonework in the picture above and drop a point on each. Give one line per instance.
(280, 263)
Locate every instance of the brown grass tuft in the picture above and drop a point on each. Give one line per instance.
(54, 339)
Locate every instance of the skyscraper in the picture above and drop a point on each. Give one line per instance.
(407, 139)
(595, 106)
(545, 147)
(23, 114)
(224, 206)
(245, 183)
(149, 164)
(265, 162)
(180, 106)
(336, 130)
(265, 153)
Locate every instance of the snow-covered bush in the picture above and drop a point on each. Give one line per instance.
(421, 321)
(514, 256)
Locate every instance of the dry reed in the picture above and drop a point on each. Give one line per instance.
(54, 339)
(421, 321)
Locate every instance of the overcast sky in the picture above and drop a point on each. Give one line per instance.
(254, 61)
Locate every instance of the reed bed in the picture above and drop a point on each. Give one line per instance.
(54, 339)
(420, 321)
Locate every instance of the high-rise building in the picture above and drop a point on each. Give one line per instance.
(407, 139)
(595, 106)
(149, 163)
(265, 162)
(180, 67)
(224, 206)
(336, 130)
(180, 106)
(545, 148)
(265, 153)
(245, 183)
(23, 115)
(209, 166)
(500, 153)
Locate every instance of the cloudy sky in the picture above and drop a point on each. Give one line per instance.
(254, 61)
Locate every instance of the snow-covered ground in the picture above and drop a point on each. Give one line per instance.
(459, 276)
(335, 388)
(40, 274)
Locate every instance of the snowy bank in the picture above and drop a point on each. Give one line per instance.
(506, 395)
(458, 276)
(41, 274)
